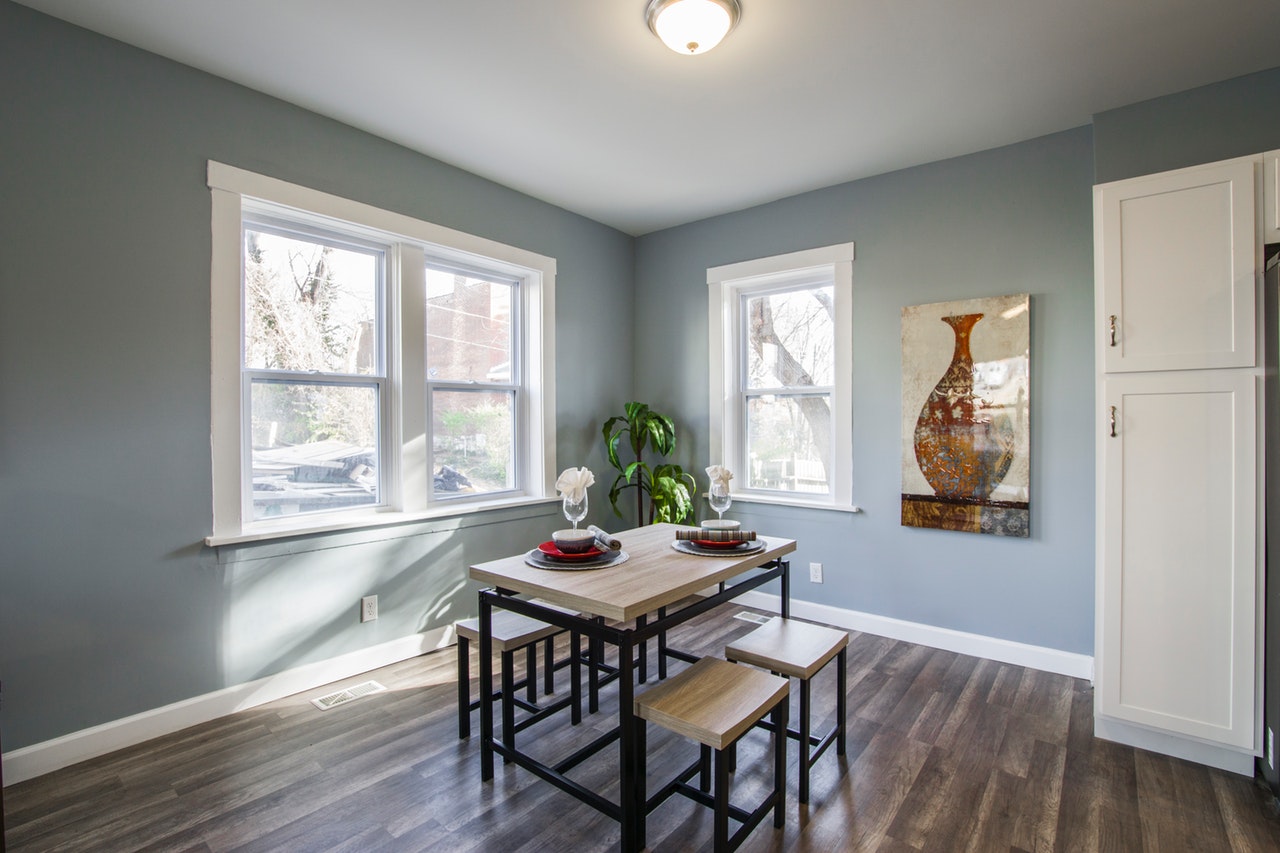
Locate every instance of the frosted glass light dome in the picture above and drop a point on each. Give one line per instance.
(692, 26)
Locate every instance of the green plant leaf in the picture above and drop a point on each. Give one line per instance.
(612, 436)
(667, 486)
(612, 447)
(619, 486)
(663, 432)
(670, 497)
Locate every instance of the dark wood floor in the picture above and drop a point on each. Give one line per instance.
(946, 753)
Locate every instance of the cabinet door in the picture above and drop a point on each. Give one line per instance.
(1177, 572)
(1176, 269)
(1271, 197)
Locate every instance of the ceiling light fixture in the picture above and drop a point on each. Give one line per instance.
(692, 26)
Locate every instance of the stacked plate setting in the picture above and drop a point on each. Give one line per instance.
(717, 539)
(548, 556)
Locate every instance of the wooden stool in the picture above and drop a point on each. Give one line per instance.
(799, 650)
(512, 632)
(715, 703)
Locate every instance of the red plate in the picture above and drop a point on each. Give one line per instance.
(550, 549)
(708, 543)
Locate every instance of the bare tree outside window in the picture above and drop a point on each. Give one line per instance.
(790, 365)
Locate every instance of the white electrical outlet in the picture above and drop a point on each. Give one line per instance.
(368, 608)
(815, 573)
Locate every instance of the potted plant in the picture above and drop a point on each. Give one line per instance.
(668, 487)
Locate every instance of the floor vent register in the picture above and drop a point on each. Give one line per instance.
(347, 694)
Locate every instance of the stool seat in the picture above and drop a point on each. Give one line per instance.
(715, 703)
(712, 702)
(800, 650)
(795, 649)
(510, 630)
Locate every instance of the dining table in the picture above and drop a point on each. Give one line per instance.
(659, 585)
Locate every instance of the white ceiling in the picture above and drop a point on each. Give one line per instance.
(577, 103)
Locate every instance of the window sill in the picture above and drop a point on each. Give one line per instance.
(263, 533)
(796, 502)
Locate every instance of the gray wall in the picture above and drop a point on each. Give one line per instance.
(1010, 220)
(109, 603)
(1233, 118)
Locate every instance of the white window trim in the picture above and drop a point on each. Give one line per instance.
(725, 284)
(409, 481)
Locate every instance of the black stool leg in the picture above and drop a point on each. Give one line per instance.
(575, 677)
(841, 701)
(643, 667)
(531, 672)
(780, 712)
(805, 747)
(595, 657)
(549, 666)
(508, 702)
(704, 769)
(641, 796)
(721, 796)
(464, 688)
(662, 647)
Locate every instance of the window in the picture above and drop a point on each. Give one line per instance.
(368, 367)
(473, 380)
(781, 367)
(314, 369)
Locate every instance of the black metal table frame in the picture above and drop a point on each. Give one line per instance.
(630, 810)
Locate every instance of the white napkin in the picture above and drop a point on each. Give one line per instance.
(573, 483)
(721, 476)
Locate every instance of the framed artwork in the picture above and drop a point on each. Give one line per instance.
(966, 402)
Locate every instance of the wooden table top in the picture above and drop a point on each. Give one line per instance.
(656, 575)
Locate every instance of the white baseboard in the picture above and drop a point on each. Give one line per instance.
(38, 759)
(1213, 755)
(992, 648)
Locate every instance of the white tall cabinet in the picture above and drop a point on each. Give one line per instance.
(1178, 274)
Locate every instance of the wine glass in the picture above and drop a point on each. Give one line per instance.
(718, 497)
(575, 511)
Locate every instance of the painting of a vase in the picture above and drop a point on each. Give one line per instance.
(967, 467)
